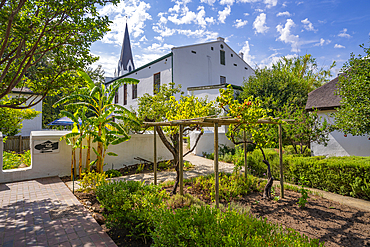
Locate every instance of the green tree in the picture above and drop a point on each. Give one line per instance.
(288, 82)
(163, 106)
(43, 42)
(353, 116)
(99, 103)
(249, 112)
(11, 119)
(308, 127)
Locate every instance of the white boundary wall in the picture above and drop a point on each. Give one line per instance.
(206, 141)
(59, 164)
(339, 145)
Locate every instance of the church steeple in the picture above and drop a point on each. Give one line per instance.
(126, 62)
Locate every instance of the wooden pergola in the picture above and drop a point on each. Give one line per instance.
(215, 123)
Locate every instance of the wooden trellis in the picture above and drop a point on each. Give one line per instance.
(215, 123)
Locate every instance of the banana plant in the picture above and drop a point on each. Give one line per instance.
(71, 140)
(99, 104)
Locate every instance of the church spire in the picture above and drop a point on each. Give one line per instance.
(126, 62)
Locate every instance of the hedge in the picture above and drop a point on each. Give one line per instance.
(348, 176)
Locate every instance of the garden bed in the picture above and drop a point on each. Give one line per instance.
(331, 222)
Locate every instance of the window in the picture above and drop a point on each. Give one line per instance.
(222, 80)
(235, 64)
(156, 82)
(116, 97)
(222, 46)
(211, 48)
(222, 57)
(194, 52)
(125, 94)
(134, 91)
(232, 55)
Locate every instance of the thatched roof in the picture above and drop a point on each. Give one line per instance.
(324, 97)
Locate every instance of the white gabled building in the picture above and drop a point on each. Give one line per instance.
(201, 69)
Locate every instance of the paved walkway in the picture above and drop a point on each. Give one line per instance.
(204, 166)
(44, 212)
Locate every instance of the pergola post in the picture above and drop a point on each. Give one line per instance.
(181, 160)
(245, 155)
(281, 160)
(155, 155)
(216, 164)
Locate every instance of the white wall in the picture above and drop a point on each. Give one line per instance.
(59, 164)
(146, 78)
(206, 141)
(31, 124)
(204, 69)
(339, 145)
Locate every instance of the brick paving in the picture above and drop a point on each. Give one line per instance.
(44, 212)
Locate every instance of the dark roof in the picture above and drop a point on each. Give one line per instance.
(214, 87)
(324, 97)
(126, 54)
(22, 90)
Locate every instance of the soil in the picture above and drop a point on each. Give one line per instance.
(331, 222)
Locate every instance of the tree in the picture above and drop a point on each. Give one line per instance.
(249, 112)
(163, 106)
(288, 82)
(11, 119)
(44, 42)
(353, 116)
(307, 128)
(99, 103)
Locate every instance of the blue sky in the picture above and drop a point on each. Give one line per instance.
(264, 30)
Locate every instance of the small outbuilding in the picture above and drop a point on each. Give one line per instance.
(326, 100)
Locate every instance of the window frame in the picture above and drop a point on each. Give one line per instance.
(222, 57)
(156, 82)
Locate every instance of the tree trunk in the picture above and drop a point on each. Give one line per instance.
(175, 141)
(80, 162)
(88, 154)
(267, 189)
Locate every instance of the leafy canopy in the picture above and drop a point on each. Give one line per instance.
(354, 87)
(43, 42)
(288, 82)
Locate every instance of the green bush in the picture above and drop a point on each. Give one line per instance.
(113, 173)
(130, 204)
(231, 186)
(206, 226)
(91, 180)
(12, 160)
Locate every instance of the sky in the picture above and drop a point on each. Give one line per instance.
(264, 30)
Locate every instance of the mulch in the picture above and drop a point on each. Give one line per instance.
(331, 222)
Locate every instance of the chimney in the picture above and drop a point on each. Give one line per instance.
(241, 54)
(220, 39)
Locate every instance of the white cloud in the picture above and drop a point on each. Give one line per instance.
(246, 49)
(259, 10)
(210, 2)
(136, 12)
(143, 39)
(322, 42)
(270, 3)
(201, 34)
(308, 25)
(273, 59)
(159, 38)
(223, 14)
(339, 46)
(240, 23)
(287, 37)
(108, 62)
(259, 24)
(163, 31)
(246, 14)
(227, 2)
(344, 33)
(285, 13)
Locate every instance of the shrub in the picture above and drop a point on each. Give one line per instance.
(12, 160)
(206, 226)
(113, 173)
(130, 204)
(91, 180)
(231, 186)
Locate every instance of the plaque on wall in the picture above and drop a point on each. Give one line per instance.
(41, 147)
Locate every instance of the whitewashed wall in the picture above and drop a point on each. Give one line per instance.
(206, 141)
(59, 164)
(203, 67)
(31, 124)
(339, 145)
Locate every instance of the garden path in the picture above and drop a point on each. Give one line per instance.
(44, 212)
(203, 166)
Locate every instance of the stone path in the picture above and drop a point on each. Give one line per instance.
(44, 212)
